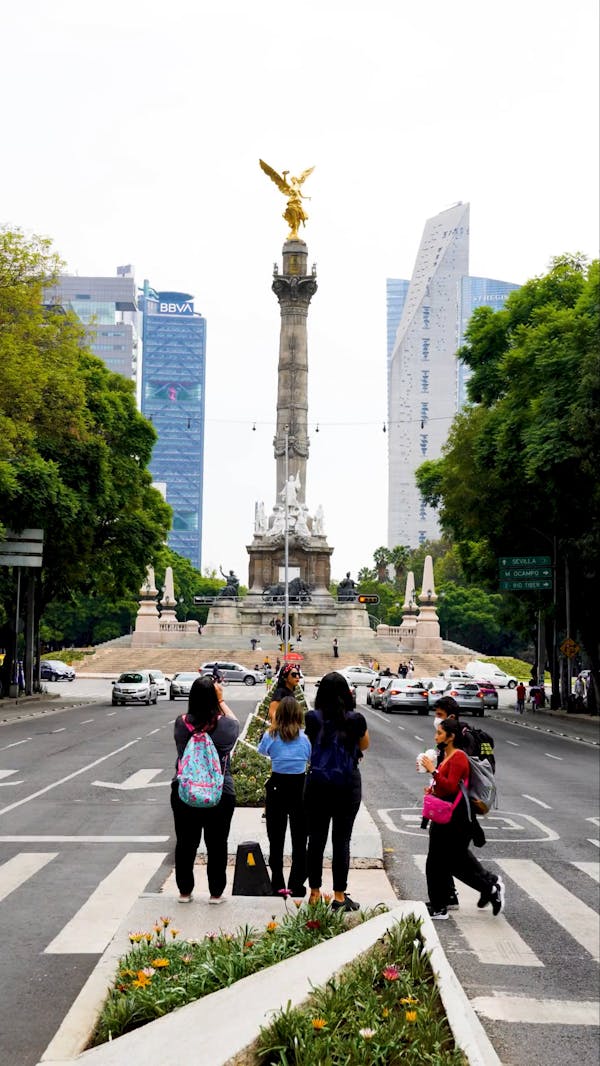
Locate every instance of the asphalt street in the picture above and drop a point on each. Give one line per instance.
(84, 812)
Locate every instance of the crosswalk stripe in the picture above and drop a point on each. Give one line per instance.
(537, 1011)
(576, 917)
(14, 872)
(493, 940)
(94, 925)
(592, 869)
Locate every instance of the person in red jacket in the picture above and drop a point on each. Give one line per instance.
(449, 854)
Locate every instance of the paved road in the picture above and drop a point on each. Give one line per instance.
(85, 828)
(532, 974)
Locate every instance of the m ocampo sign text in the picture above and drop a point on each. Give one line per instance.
(22, 549)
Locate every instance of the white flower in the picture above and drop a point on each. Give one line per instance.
(368, 1034)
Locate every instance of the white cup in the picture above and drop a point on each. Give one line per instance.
(431, 753)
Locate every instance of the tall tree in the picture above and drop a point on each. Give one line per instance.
(382, 559)
(519, 472)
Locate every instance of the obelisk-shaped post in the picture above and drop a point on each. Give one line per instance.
(294, 289)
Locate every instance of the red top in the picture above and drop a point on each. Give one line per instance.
(449, 775)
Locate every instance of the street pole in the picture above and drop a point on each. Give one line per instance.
(286, 557)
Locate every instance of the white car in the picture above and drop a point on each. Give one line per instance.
(359, 675)
(160, 679)
(456, 675)
(135, 686)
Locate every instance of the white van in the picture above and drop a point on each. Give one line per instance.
(490, 672)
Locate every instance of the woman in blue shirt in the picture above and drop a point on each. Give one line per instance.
(287, 746)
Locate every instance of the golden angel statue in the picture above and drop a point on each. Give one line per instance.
(294, 213)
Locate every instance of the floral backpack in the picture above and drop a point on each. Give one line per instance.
(200, 773)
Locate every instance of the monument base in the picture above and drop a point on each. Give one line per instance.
(349, 622)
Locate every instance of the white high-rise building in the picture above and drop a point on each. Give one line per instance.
(422, 382)
(426, 382)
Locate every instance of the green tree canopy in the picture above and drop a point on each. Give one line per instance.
(519, 472)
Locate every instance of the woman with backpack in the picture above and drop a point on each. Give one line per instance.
(449, 856)
(207, 712)
(338, 735)
(285, 743)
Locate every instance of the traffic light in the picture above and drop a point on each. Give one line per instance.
(368, 599)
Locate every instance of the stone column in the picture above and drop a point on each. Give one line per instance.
(294, 289)
(427, 637)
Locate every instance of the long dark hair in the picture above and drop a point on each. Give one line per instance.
(203, 704)
(334, 701)
(452, 730)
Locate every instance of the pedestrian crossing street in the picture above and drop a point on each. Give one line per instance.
(496, 941)
(500, 941)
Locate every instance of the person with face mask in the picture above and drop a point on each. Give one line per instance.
(449, 854)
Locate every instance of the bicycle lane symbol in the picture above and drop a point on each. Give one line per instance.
(500, 827)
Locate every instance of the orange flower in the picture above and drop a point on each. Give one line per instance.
(271, 926)
(166, 921)
(391, 973)
(160, 962)
(408, 1000)
(410, 1015)
(141, 980)
(327, 897)
(318, 1023)
(174, 933)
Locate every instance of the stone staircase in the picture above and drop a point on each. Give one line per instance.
(317, 658)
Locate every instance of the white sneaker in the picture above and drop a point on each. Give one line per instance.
(185, 899)
(216, 900)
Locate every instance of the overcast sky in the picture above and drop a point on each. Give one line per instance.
(131, 133)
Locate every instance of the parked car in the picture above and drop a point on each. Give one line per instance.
(456, 675)
(234, 672)
(135, 686)
(359, 675)
(375, 693)
(161, 681)
(405, 695)
(492, 672)
(55, 670)
(181, 684)
(490, 693)
(468, 695)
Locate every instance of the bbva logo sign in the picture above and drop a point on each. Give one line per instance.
(186, 308)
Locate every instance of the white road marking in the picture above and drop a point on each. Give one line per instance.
(7, 784)
(95, 924)
(110, 714)
(82, 840)
(537, 1011)
(69, 777)
(596, 843)
(63, 729)
(563, 907)
(512, 743)
(422, 739)
(86, 721)
(15, 744)
(493, 940)
(152, 732)
(20, 868)
(402, 728)
(549, 756)
(592, 869)
(534, 800)
(594, 821)
(139, 779)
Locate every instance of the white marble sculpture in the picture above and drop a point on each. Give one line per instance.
(302, 529)
(278, 526)
(289, 492)
(261, 523)
(319, 522)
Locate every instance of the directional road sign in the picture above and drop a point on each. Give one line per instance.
(524, 560)
(508, 584)
(519, 573)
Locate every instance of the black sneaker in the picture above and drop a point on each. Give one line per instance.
(347, 905)
(441, 915)
(498, 897)
(452, 903)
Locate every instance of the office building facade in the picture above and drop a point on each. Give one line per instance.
(107, 308)
(172, 397)
(426, 382)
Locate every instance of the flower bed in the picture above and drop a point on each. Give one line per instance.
(161, 973)
(382, 1010)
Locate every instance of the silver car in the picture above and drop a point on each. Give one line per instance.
(233, 672)
(161, 681)
(181, 685)
(404, 695)
(468, 695)
(375, 693)
(135, 686)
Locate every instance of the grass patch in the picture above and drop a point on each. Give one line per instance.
(250, 772)
(381, 1010)
(161, 973)
(517, 667)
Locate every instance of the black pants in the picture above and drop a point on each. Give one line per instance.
(285, 801)
(189, 824)
(325, 806)
(449, 856)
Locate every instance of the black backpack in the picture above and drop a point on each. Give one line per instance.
(479, 744)
(331, 762)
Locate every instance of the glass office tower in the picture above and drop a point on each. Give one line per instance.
(476, 292)
(172, 397)
(107, 307)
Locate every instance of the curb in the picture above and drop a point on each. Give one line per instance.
(253, 999)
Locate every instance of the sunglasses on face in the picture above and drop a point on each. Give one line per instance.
(293, 674)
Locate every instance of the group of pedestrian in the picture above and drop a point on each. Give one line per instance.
(277, 625)
(406, 669)
(449, 854)
(315, 784)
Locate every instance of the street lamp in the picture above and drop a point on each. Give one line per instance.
(286, 549)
